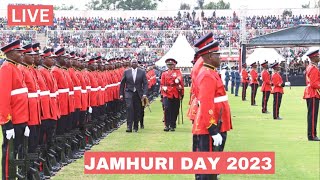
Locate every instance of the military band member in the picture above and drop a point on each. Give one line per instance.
(14, 111)
(266, 86)
(254, 83)
(312, 94)
(173, 91)
(213, 118)
(277, 90)
(244, 81)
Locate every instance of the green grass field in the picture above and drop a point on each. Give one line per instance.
(296, 158)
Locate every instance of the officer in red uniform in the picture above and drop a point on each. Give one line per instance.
(244, 81)
(266, 86)
(172, 89)
(254, 83)
(14, 111)
(312, 94)
(33, 97)
(277, 90)
(213, 118)
(59, 73)
(198, 62)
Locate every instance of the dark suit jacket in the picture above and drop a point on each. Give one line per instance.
(127, 85)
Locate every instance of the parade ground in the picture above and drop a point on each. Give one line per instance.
(296, 157)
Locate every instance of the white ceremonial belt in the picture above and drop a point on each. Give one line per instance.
(83, 91)
(119, 83)
(32, 95)
(38, 91)
(88, 87)
(63, 90)
(19, 91)
(94, 89)
(71, 92)
(103, 89)
(109, 85)
(99, 87)
(220, 99)
(44, 93)
(53, 94)
(77, 88)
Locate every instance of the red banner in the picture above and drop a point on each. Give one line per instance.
(30, 15)
(179, 163)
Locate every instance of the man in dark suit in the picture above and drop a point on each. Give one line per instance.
(133, 88)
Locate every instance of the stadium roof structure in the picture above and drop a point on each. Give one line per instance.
(300, 36)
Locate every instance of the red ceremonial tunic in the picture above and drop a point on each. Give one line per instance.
(94, 89)
(168, 80)
(254, 77)
(266, 81)
(76, 88)
(312, 82)
(33, 96)
(13, 94)
(53, 88)
(277, 83)
(244, 76)
(212, 98)
(63, 89)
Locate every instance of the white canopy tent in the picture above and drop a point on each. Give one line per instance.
(181, 51)
(262, 54)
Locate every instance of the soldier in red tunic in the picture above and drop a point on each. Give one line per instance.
(312, 94)
(172, 90)
(14, 111)
(213, 118)
(277, 90)
(254, 83)
(266, 86)
(244, 81)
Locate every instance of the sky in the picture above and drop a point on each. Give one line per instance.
(175, 4)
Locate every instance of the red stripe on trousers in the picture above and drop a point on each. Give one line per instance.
(277, 105)
(312, 120)
(7, 162)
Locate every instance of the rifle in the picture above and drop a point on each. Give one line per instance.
(217, 148)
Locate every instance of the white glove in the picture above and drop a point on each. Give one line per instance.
(164, 88)
(177, 81)
(90, 110)
(10, 134)
(27, 131)
(287, 83)
(217, 139)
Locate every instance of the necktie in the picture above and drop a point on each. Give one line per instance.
(134, 74)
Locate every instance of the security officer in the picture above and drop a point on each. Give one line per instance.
(254, 83)
(266, 86)
(244, 81)
(227, 78)
(213, 118)
(172, 89)
(14, 111)
(237, 80)
(312, 94)
(233, 79)
(277, 90)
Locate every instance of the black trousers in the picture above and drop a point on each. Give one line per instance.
(277, 97)
(62, 124)
(171, 106)
(33, 140)
(265, 98)
(254, 88)
(244, 91)
(226, 85)
(204, 143)
(47, 132)
(313, 109)
(76, 118)
(6, 149)
(82, 118)
(237, 89)
(142, 116)
(134, 108)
